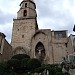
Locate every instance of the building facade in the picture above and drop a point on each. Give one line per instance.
(46, 45)
(5, 49)
(71, 48)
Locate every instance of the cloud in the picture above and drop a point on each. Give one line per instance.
(7, 30)
(6, 21)
(10, 6)
(50, 7)
(52, 14)
(55, 14)
(5, 18)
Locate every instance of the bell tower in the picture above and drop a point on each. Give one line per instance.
(25, 26)
(27, 9)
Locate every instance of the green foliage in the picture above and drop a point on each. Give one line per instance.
(60, 73)
(20, 56)
(9, 73)
(33, 64)
(24, 65)
(24, 62)
(13, 63)
(40, 69)
(28, 66)
(2, 68)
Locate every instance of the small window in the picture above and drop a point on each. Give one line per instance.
(22, 36)
(60, 34)
(25, 12)
(25, 4)
(66, 44)
(18, 29)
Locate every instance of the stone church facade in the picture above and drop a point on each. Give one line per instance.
(46, 45)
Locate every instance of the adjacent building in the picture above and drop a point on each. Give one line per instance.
(5, 49)
(71, 48)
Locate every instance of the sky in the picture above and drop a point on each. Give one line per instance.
(51, 14)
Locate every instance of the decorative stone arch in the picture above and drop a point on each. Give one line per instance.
(39, 33)
(19, 50)
(40, 51)
(40, 37)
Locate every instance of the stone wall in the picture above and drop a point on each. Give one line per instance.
(6, 53)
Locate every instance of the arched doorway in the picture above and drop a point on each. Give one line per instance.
(40, 51)
(19, 50)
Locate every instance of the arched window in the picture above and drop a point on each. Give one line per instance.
(25, 12)
(40, 51)
(25, 4)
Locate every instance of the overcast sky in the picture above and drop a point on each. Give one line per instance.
(51, 14)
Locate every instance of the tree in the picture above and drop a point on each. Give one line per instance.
(2, 68)
(13, 63)
(22, 67)
(33, 64)
(20, 56)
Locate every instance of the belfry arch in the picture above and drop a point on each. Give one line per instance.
(40, 51)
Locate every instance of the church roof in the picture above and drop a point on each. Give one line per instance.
(26, 1)
(2, 34)
(29, 0)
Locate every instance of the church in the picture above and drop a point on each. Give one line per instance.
(47, 45)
